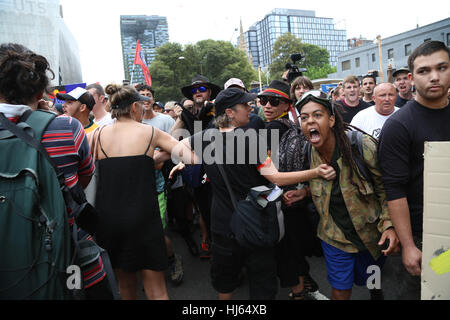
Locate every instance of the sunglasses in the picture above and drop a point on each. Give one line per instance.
(200, 89)
(274, 102)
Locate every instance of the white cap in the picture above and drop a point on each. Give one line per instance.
(234, 82)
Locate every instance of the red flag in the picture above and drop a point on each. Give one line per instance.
(139, 59)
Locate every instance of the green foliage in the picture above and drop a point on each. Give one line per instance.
(217, 60)
(316, 59)
(320, 72)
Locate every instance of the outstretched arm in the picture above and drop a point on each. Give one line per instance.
(271, 173)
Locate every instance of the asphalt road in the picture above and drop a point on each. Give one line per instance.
(196, 284)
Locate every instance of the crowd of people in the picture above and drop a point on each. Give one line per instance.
(355, 197)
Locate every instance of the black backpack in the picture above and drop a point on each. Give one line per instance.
(291, 156)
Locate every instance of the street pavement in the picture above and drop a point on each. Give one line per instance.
(196, 284)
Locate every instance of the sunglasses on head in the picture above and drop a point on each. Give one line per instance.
(274, 101)
(200, 89)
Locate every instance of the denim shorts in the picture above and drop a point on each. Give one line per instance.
(345, 268)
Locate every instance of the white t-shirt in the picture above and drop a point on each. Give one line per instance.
(370, 121)
(161, 121)
(106, 120)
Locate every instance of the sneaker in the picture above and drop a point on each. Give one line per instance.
(176, 270)
(205, 252)
(376, 294)
(310, 284)
(312, 289)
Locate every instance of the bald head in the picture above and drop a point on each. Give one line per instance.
(384, 96)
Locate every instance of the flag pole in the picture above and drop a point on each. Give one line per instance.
(132, 74)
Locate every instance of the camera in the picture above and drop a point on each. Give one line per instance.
(294, 70)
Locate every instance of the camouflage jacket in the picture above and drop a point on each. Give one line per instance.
(366, 203)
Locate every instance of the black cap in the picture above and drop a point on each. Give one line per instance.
(400, 70)
(229, 98)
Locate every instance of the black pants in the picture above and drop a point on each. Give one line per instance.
(176, 205)
(203, 199)
(228, 259)
(300, 240)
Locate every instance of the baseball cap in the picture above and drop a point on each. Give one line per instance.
(230, 97)
(234, 82)
(78, 94)
(400, 70)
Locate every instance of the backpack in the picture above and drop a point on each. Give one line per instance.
(355, 138)
(35, 239)
(291, 156)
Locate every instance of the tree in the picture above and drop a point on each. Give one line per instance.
(315, 58)
(320, 72)
(175, 66)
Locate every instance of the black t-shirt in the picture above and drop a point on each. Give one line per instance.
(400, 102)
(240, 167)
(370, 103)
(401, 149)
(348, 112)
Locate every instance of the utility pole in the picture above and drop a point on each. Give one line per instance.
(381, 58)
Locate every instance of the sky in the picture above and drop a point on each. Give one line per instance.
(95, 24)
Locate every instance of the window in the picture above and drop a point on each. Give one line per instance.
(346, 65)
(357, 62)
(374, 57)
(407, 49)
(390, 53)
(448, 39)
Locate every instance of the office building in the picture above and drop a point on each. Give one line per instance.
(39, 26)
(151, 31)
(394, 50)
(303, 24)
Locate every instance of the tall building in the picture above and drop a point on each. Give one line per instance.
(39, 26)
(303, 24)
(151, 31)
(395, 50)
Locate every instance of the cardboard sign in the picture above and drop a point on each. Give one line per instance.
(436, 222)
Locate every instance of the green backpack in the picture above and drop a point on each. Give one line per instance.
(35, 244)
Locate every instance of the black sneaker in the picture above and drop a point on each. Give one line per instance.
(376, 294)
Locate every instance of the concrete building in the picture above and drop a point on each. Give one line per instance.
(303, 24)
(151, 31)
(394, 50)
(39, 26)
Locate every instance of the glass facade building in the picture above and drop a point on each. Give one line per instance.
(151, 31)
(39, 26)
(302, 24)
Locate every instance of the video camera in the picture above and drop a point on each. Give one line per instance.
(294, 70)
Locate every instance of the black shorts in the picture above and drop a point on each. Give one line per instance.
(228, 259)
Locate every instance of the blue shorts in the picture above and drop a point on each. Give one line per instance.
(345, 268)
